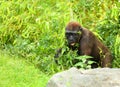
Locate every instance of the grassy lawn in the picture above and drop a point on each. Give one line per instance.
(16, 72)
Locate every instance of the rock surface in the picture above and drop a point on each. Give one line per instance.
(100, 77)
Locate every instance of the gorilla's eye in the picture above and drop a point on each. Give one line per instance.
(76, 35)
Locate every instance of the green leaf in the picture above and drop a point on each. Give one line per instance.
(79, 64)
(83, 57)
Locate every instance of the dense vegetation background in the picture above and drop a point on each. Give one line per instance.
(34, 29)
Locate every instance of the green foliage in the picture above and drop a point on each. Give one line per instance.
(34, 29)
(84, 62)
(116, 52)
(69, 58)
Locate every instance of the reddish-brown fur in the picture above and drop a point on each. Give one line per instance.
(72, 26)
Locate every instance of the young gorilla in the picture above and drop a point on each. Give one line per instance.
(88, 44)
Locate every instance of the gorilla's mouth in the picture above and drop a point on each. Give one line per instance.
(72, 44)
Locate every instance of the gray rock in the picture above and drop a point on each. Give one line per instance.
(100, 77)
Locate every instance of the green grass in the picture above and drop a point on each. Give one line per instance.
(16, 72)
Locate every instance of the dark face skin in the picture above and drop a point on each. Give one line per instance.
(72, 37)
